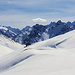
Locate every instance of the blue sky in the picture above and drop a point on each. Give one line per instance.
(20, 13)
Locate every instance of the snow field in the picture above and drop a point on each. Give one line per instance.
(55, 56)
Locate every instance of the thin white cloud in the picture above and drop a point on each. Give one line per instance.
(15, 16)
(9, 2)
(39, 20)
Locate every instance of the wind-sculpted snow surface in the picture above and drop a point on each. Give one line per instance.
(14, 58)
(54, 56)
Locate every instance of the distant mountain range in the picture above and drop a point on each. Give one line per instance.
(37, 32)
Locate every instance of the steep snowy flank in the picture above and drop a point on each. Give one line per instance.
(9, 32)
(32, 35)
(4, 50)
(3, 28)
(8, 42)
(66, 41)
(54, 56)
(25, 29)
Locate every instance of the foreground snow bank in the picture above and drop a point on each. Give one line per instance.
(56, 62)
(55, 56)
(14, 58)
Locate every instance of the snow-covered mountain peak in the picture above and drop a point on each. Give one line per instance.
(3, 28)
(25, 29)
(59, 22)
(8, 31)
(37, 32)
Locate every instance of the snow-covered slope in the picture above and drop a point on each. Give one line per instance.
(55, 56)
(7, 42)
(66, 41)
(4, 50)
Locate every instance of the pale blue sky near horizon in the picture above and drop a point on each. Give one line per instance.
(21, 13)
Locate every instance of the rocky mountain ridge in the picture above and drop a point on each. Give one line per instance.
(37, 32)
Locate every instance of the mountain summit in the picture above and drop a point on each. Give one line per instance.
(42, 32)
(37, 32)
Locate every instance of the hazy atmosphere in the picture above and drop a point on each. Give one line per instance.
(20, 13)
